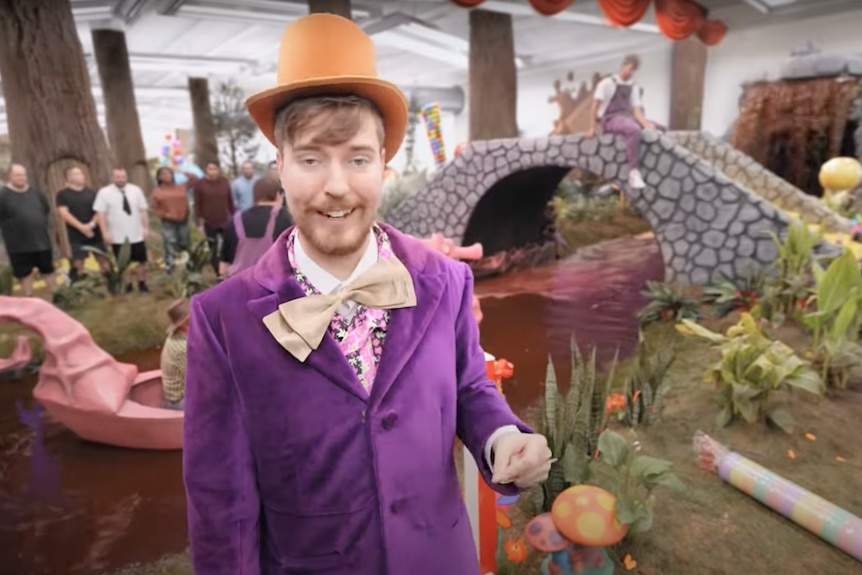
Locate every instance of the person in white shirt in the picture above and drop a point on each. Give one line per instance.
(121, 210)
(617, 102)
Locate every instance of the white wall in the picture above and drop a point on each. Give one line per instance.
(757, 54)
(536, 115)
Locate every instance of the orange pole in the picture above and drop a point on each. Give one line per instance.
(498, 369)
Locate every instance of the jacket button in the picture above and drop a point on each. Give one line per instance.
(396, 507)
(389, 421)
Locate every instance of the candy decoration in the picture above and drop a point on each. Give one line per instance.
(431, 117)
(840, 174)
(586, 515)
(826, 520)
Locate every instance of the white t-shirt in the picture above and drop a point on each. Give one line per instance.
(122, 226)
(608, 86)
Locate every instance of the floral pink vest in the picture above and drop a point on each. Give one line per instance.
(360, 337)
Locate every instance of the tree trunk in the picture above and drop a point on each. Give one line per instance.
(206, 142)
(688, 74)
(493, 77)
(121, 110)
(50, 109)
(339, 7)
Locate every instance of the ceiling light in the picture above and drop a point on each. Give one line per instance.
(279, 20)
(90, 13)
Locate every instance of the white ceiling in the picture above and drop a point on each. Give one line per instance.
(419, 42)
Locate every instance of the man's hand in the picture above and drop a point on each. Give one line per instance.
(590, 133)
(87, 231)
(145, 232)
(521, 458)
(649, 125)
(106, 237)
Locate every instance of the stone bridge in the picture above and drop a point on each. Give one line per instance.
(708, 226)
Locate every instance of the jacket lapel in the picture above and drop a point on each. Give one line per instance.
(407, 326)
(274, 273)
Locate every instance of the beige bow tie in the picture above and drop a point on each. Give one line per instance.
(300, 324)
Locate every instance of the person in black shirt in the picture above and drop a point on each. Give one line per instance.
(25, 217)
(244, 240)
(75, 206)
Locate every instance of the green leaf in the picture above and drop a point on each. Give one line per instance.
(576, 466)
(649, 469)
(693, 329)
(724, 417)
(807, 380)
(625, 511)
(782, 419)
(613, 448)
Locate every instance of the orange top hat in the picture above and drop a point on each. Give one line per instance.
(325, 54)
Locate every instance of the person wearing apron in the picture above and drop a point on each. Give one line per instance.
(617, 103)
(241, 248)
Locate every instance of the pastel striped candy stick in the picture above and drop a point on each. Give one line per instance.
(826, 520)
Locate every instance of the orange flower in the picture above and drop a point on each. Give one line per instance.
(629, 563)
(516, 550)
(503, 519)
(615, 402)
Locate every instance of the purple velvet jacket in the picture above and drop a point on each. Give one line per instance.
(290, 468)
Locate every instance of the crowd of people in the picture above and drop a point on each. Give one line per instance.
(238, 218)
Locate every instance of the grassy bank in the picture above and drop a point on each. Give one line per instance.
(119, 325)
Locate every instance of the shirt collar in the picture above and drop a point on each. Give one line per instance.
(324, 281)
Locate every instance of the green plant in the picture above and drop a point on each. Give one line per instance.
(571, 423)
(114, 272)
(788, 289)
(666, 303)
(7, 280)
(398, 191)
(77, 293)
(727, 296)
(752, 367)
(646, 387)
(632, 478)
(836, 319)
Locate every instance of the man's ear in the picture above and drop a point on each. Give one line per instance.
(279, 161)
(383, 156)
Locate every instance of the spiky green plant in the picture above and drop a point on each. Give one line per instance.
(572, 423)
(646, 385)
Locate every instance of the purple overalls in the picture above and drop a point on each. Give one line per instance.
(618, 119)
(250, 250)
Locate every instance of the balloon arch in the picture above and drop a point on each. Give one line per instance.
(677, 19)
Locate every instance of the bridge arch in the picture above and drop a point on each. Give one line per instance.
(708, 226)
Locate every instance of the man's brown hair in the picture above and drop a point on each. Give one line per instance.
(266, 190)
(334, 119)
(632, 59)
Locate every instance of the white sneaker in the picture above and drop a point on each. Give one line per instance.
(635, 180)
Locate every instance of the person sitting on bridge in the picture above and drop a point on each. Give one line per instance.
(617, 103)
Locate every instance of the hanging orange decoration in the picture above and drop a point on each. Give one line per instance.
(676, 19)
(712, 32)
(679, 19)
(550, 7)
(624, 12)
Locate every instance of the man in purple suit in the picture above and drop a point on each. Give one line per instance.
(326, 384)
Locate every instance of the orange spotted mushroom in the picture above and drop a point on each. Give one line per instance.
(586, 515)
